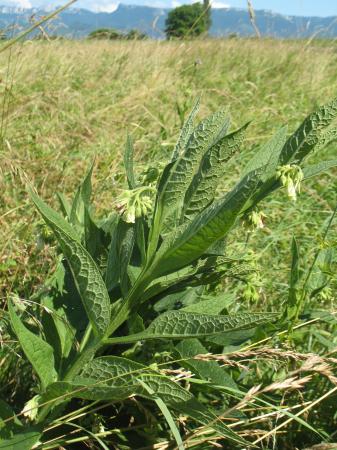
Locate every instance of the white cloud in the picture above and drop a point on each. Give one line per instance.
(24, 4)
(100, 6)
(108, 6)
(216, 4)
(219, 5)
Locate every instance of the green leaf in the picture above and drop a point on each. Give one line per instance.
(211, 305)
(205, 271)
(305, 138)
(22, 441)
(319, 277)
(186, 131)
(86, 389)
(170, 197)
(75, 207)
(268, 155)
(39, 353)
(9, 422)
(115, 378)
(182, 325)
(140, 233)
(65, 324)
(177, 300)
(326, 138)
(122, 372)
(166, 413)
(86, 274)
(86, 187)
(316, 169)
(207, 370)
(112, 269)
(293, 304)
(93, 236)
(128, 162)
(63, 320)
(64, 205)
(125, 244)
(190, 241)
(203, 187)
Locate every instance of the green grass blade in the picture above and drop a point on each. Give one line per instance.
(118, 371)
(166, 413)
(128, 162)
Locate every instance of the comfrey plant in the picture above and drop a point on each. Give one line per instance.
(140, 278)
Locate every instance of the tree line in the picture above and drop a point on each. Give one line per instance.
(186, 21)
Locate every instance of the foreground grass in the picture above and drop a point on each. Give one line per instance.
(68, 102)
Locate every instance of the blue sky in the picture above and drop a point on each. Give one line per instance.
(289, 7)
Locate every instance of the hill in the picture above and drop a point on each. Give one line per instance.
(78, 23)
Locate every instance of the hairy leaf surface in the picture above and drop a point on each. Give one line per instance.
(202, 189)
(316, 169)
(120, 371)
(186, 131)
(171, 193)
(181, 325)
(86, 274)
(300, 144)
(191, 240)
(39, 353)
(268, 155)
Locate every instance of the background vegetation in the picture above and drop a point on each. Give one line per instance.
(188, 21)
(66, 102)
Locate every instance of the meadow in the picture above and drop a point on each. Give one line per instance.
(66, 104)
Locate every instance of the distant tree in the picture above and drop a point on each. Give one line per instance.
(111, 34)
(188, 21)
(105, 33)
(135, 35)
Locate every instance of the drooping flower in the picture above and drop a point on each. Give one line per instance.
(291, 177)
(254, 221)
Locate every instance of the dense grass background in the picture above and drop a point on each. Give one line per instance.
(65, 103)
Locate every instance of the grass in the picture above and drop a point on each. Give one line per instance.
(66, 103)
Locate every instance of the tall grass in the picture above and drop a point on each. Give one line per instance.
(68, 102)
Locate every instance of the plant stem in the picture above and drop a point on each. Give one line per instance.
(83, 358)
(125, 309)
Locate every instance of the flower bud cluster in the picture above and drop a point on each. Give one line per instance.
(291, 177)
(134, 203)
(254, 221)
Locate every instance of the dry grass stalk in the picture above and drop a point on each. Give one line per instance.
(311, 362)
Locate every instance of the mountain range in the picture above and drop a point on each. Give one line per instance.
(78, 23)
